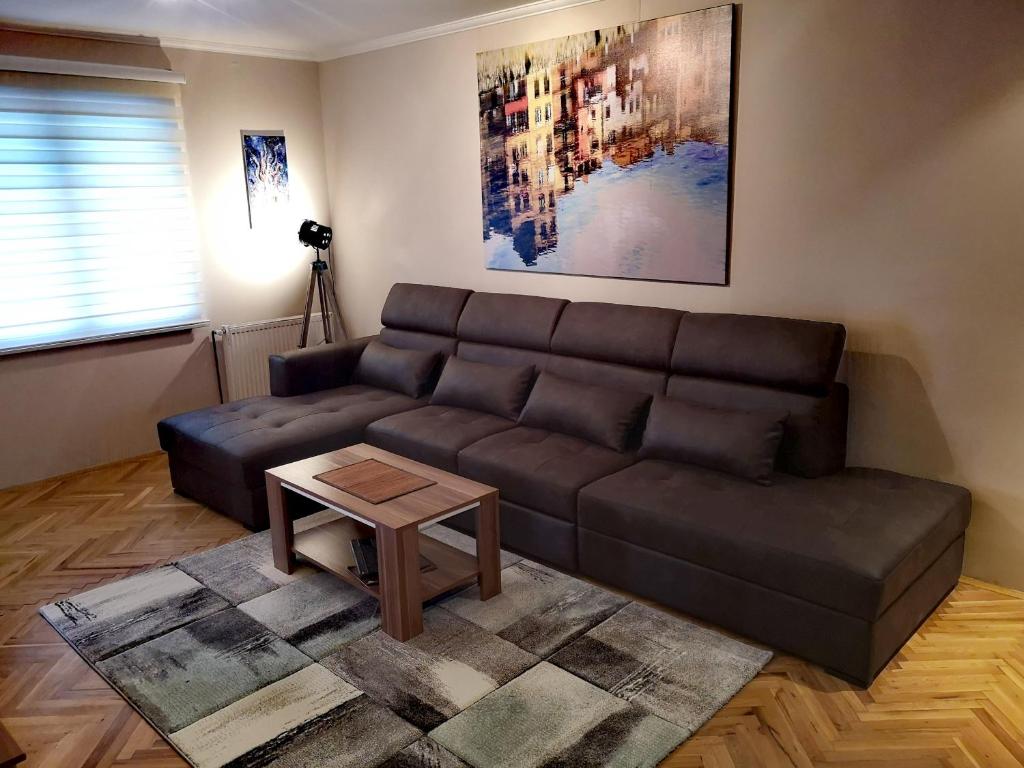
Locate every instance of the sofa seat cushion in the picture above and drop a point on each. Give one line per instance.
(539, 469)
(434, 434)
(852, 541)
(239, 441)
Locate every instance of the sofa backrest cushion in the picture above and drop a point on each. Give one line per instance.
(814, 439)
(604, 416)
(496, 354)
(610, 375)
(427, 342)
(795, 355)
(741, 362)
(500, 390)
(617, 333)
(408, 371)
(509, 319)
(740, 443)
(424, 308)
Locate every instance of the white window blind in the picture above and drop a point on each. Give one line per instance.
(97, 237)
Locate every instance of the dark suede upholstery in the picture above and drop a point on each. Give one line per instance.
(301, 371)
(739, 443)
(546, 538)
(610, 375)
(407, 371)
(607, 417)
(837, 565)
(852, 648)
(434, 434)
(424, 308)
(507, 319)
(798, 355)
(493, 354)
(814, 435)
(499, 390)
(427, 342)
(617, 333)
(539, 469)
(239, 440)
(852, 541)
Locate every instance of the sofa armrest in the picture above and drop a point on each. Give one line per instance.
(301, 371)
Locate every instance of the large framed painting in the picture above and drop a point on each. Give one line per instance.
(607, 153)
(265, 161)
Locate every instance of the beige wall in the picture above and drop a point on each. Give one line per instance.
(879, 173)
(76, 407)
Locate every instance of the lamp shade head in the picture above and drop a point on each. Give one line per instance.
(315, 235)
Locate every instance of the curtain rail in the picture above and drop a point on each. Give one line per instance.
(88, 69)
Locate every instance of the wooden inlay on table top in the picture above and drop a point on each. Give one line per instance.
(374, 481)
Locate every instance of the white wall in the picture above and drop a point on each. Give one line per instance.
(879, 180)
(261, 272)
(76, 407)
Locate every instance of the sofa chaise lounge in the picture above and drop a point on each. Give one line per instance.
(629, 444)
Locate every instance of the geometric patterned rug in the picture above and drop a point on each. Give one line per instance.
(237, 664)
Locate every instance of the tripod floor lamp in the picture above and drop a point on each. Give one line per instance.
(318, 237)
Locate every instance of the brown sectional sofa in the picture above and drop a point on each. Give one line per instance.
(838, 565)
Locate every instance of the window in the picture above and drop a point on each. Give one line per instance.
(97, 238)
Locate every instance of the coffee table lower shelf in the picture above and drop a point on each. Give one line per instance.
(328, 546)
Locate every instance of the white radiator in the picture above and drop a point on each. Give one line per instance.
(243, 352)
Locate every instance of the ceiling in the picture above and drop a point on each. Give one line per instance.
(300, 29)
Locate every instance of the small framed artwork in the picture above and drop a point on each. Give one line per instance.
(265, 161)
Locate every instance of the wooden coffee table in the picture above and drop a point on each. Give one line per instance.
(396, 524)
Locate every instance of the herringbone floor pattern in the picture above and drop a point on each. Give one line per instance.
(953, 697)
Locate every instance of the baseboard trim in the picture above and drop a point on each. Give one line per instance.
(85, 470)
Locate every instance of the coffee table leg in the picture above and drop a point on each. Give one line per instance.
(401, 602)
(488, 547)
(282, 532)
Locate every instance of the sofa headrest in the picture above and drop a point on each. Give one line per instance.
(510, 319)
(617, 333)
(424, 308)
(796, 355)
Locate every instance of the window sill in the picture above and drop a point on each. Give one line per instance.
(106, 337)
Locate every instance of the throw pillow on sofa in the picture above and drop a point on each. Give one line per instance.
(740, 443)
(408, 371)
(604, 416)
(500, 390)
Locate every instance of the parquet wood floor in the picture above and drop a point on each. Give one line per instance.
(953, 697)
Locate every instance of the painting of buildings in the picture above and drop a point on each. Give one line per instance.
(607, 153)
